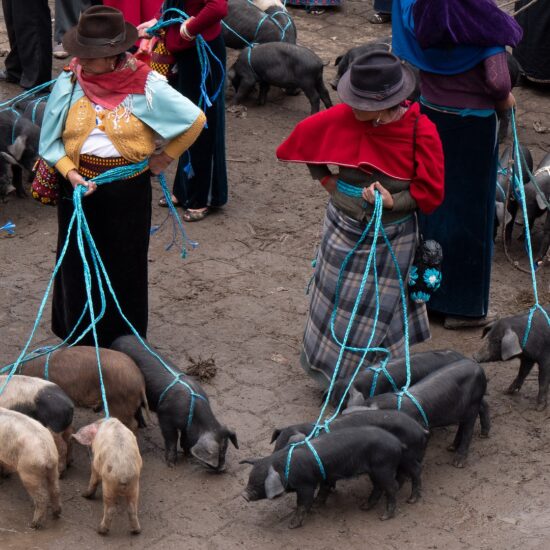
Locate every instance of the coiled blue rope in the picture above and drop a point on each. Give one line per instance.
(519, 190)
(204, 53)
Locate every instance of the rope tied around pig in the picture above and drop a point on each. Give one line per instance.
(85, 240)
(322, 424)
(517, 185)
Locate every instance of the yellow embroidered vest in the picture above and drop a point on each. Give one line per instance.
(133, 139)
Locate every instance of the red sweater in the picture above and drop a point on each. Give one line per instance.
(207, 22)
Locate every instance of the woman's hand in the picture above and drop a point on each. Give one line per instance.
(184, 33)
(329, 183)
(142, 28)
(506, 104)
(159, 162)
(76, 179)
(368, 195)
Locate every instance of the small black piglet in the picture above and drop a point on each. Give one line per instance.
(344, 454)
(205, 438)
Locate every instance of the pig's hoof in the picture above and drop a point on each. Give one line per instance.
(459, 461)
(451, 448)
(511, 390)
(36, 524)
(102, 530)
(367, 505)
(88, 494)
(170, 464)
(413, 499)
(56, 513)
(136, 531)
(295, 522)
(541, 406)
(484, 435)
(387, 515)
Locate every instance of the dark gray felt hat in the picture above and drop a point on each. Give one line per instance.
(376, 81)
(101, 32)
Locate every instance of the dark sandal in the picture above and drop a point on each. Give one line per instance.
(195, 215)
(164, 204)
(379, 18)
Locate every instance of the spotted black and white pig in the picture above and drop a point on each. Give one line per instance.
(411, 434)
(45, 402)
(504, 341)
(421, 364)
(205, 438)
(255, 26)
(279, 64)
(453, 394)
(344, 454)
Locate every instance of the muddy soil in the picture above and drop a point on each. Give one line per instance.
(239, 299)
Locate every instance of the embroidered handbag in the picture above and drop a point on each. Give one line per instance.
(45, 187)
(162, 60)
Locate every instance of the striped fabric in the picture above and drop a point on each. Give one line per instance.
(320, 351)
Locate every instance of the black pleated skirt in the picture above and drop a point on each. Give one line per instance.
(119, 216)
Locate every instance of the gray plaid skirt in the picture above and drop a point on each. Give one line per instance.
(340, 234)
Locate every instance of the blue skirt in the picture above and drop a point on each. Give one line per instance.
(463, 224)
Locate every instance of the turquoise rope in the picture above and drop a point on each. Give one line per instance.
(204, 53)
(8, 227)
(348, 189)
(518, 188)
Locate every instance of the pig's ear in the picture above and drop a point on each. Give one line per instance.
(18, 147)
(486, 330)
(85, 436)
(355, 397)
(251, 461)
(337, 60)
(273, 484)
(233, 438)
(8, 157)
(541, 201)
(510, 346)
(275, 435)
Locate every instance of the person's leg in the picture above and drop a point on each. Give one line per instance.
(12, 63)
(67, 13)
(33, 32)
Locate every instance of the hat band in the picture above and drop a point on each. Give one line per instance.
(89, 41)
(378, 95)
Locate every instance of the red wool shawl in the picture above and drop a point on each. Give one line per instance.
(335, 136)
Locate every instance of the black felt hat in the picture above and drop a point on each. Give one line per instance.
(375, 81)
(101, 32)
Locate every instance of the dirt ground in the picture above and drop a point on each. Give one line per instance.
(239, 298)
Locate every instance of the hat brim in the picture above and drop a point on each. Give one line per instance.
(84, 51)
(346, 94)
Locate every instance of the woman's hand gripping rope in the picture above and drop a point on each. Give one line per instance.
(76, 179)
(369, 195)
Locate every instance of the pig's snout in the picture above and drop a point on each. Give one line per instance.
(334, 83)
(246, 496)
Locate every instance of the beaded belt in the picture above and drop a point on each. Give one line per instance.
(91, 166)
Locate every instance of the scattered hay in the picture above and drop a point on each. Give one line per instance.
(202, 369)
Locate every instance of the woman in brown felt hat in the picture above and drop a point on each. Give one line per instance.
(109, 110)
(378, 141)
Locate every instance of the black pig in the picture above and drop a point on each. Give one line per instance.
(422, 364)
(344, 454)
(504, 340)
(279, 64)
(451, 395)
(413, 436)
(206, 439)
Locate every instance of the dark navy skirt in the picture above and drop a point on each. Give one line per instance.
(463, 224)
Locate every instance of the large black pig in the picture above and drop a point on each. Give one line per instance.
(255, 26)
(343, 454)
(413, 436)
(279, 64)
(451, 395)
(205, 438)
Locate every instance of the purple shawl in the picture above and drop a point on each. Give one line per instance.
(447, 23)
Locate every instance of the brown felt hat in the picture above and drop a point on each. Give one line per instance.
(101, 32)
(375, 81)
